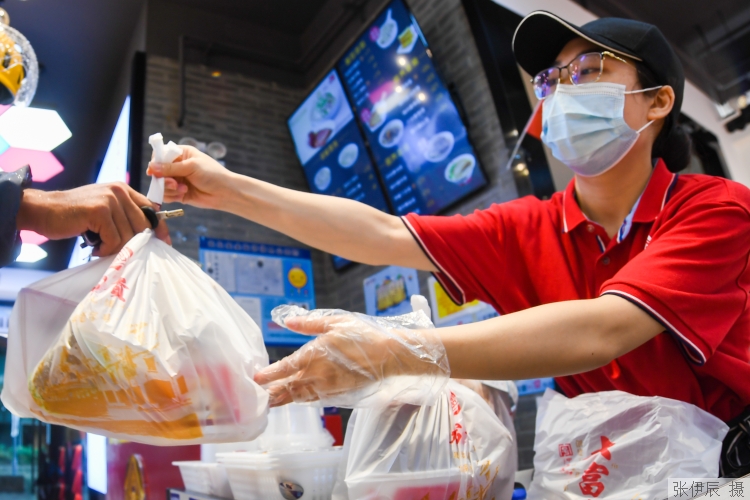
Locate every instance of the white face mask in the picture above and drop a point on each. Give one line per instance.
(585, 128)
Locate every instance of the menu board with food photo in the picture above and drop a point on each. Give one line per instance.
(418, 140)
(331, 148)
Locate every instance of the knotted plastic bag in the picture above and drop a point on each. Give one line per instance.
(614, 445)
(143, 346)
(455, 449)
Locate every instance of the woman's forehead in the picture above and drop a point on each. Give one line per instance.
(574, 48)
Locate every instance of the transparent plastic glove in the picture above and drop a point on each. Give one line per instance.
(358, 361)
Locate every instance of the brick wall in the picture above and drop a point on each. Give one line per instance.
(249, 116)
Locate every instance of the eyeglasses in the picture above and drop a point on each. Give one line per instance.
(586, 68)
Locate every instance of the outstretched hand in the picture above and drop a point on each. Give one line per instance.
(194, 178)
(354, 360)
(111, 210)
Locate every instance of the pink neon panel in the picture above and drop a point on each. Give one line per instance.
(44, 165)
(33, 238)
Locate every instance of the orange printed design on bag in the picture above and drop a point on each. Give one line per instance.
(106, 387)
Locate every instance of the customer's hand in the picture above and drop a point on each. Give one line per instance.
(112, 210)
(194, 178)
(356, 361)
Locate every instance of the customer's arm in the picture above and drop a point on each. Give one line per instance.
(11, 188)
(339, 226)
(111, 210)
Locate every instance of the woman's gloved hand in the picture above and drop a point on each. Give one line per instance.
(357, 360)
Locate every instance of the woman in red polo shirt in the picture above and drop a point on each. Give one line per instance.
(634, 278)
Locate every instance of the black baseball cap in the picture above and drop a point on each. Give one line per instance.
(541, 36)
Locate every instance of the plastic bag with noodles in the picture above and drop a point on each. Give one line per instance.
(144, 347)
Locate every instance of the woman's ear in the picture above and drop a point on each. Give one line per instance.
(662, 104)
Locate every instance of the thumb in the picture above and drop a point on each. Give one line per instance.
(176, 169)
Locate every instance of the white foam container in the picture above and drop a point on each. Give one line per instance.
(294, 427)
(207, 478)
(261, 476)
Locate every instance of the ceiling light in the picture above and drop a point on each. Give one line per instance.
(422, 96)
(216, 74)
(401, 61)
(33, 128)
(44, 165)
(31, 253)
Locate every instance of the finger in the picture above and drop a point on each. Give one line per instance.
(310, 325)
(302, 391)
(162, 232)
(173, 197)
(121, 220)
(277, 371)
(111, 241)
(278, 395)
(136, 218)
(170, 183)
(139, 199)
(176, 169)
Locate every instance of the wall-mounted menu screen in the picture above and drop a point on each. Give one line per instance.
(418, 140)
(331, 148)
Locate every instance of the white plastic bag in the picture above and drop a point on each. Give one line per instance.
(616, 445)
(456, 449)
(144, 347)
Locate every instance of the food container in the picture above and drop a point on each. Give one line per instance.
(309, 475)
(407, 485)
(295, 427)
(207, 478)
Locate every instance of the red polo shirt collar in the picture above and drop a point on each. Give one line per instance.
(652, 200)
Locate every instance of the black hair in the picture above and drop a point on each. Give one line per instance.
(673, 144)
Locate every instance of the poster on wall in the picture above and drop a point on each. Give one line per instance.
(445, 313)
(388, 293)
(260, 277)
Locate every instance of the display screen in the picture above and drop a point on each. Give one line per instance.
(418, 140)
(331, 148)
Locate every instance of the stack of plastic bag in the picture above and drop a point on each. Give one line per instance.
(613, 445)
(144, 346)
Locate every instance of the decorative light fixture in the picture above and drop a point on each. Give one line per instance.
(33, 238)
(33, 128)
(44, 165)
(31, 253)
(19, 73)
(216, 150)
